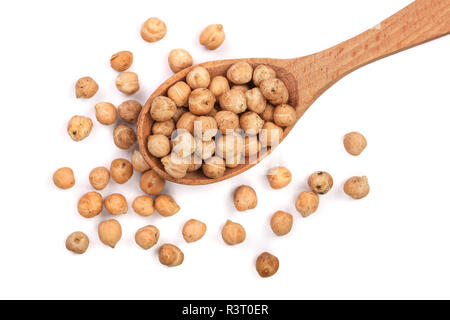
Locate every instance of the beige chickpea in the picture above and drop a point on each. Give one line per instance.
(208, 127)
(86, 87)
(163, 127)
(281, 223)
(320, 182)
(245, 198)
(154, 29)
(138, 162)
(229, 145)
(219, 85)
(186, 122)
(205, 149)
(170, 255)
(121, 170)
(212, 36)
(129, 111)
(183, 144)
(234, 101)
(198, 78)
(77, 242)
(270, 134)
(99, 178)
(255, 100)
(151, 183)
(127, 82)
(267, 114)
(79, 127)
(267, 265)
(166, 205)
(179, 59)
(240, 73)
(233, 233)
(105, 113)
(240, 87)
(143, 206)
(279, 177)
(147, 237)
(201, 101)
(116, 204)
(63, 178)
(307, 203)
(90, 204)
(261, 73)
(284, 115)
(121, 60)
(193, 230)
(124, 136)
(354, 143)
(176, 166)
(357, 187)
(251, 123)
(214, 167)
(227, 121)
(252, 146)
(195, 163)
(158, 145)
(162, 108)
(179, 93)
(275, 91)
(110, 232)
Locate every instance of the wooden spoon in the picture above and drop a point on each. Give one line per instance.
(308, 77)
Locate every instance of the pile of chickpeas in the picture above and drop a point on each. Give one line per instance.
(211, 124)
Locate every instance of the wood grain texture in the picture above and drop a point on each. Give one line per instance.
(308, 77)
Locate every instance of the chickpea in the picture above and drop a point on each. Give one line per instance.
(110, 232)
(245, 198)
(320, 182)
(251, 146)
(99, 178)
(164, 127)
(79, 127)
(195, 163)
(284, 115)
(179, 93)
(307, 203)
(124, 136)
(198, 78)
(267, 265)
(354, 143)
(233, 233)
(357, 187)
(116, 204)
(193, 230)
(127, 82)
(138, 162)
(105, 113)
(229, 145)
(214, 167)
(143, 206)
(121, 60)
(205, 149)
(121, 170)
(147, 237)
(267, 114)
(158, 145)
(179, 59)
(180, 111)
(226, 121)
(281, 223)
(255, 100)
(175, 166)
(261, 73)
(166, 205)
(219, 85)
(212, 36)
(86, 87)
(240, 87)
(275, 91)
(77, 242)
(251, 123)
(208, 127)
(234, 101)
(271, 134)
(151, 183)
(201, 101)
(162, 109)
(154, 29)
(240, 73)
(90, 204)
(186, 122)
(63, 178)
(184, 144)
(279, 177)
(129, 111)
(170, 255)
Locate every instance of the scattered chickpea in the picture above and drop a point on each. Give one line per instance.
(212, 36)
(166, 205)
(90, 204)
(179, 59)
(240, 73)
(110, 232)
(201, 101)
(151, 183)
(240, 87)
(193, 230)
(116, 204)
(129, 111)
(105, 113)
(252, 146)
(162, 108)
(208, 127)
(143, 206)
(77, 242)
(255, 100)
(307, 203)
(127, 82)
(233, 233)
(164, 127)
(267, 114)
(124, 136)
(205, 149)
(245, 198)
(86, 88)
(279, 177)
(183, 144)
(121, 60)
(179, 93)
(267, 265)
(214, 167)
(170, 255)
(261, 73)
(99, 178)
(234, 101)
(195, 163)
(219, 85)
(186, 122)
(270, 134)
(357, 187)
(354, 143)
(281, 223)
(180, 111)
(198, 78)
(63, 178)
(275, 91)
(251, 123)
(175, 166)
(147, 237)
(79, 127)
(121, 170)
(138, 162)
(284, 115)
(158, 145)
(320, 182)
(227, 120)
(154, 29)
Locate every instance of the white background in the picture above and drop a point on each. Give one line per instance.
(392, 244)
